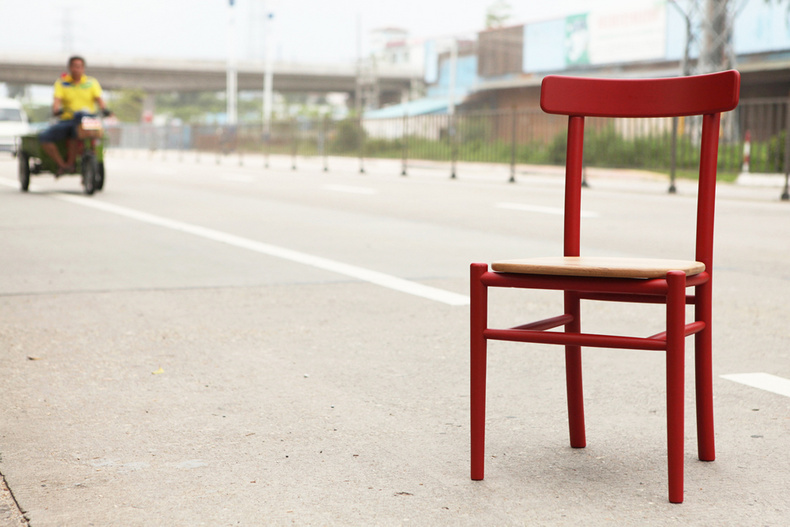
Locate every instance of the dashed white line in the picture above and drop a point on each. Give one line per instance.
(350, 190)
(353, 271)
(542, 210)
(241, 178)
(763, 381)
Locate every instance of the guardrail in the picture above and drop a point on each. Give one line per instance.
(511, 137)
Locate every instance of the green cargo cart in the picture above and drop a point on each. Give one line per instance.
(90, 158)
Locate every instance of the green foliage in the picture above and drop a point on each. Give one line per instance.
(476, 140)
(190, 107)
(769, 155)
(497, 14)
(15, 90)
(38, 113)
(127, 105)
(348, 137)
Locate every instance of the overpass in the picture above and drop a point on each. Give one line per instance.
(168, 75)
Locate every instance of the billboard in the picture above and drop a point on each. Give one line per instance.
(634, 32)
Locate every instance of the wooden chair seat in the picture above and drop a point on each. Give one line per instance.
(606, 267)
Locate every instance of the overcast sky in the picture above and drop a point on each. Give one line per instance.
(304, 30)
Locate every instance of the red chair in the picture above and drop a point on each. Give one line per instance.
(617, 279)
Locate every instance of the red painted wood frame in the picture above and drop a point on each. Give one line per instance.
(705, 95)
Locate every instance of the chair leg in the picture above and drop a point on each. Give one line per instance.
(478, 323)
(703, 370)
(573, 375)
(676, 310)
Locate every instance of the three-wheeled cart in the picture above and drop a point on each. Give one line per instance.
(90, 159)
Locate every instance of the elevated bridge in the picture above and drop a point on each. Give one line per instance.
(167, 75)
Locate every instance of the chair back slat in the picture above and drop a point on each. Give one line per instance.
(679, 96)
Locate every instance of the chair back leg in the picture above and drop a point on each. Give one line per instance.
(573, 375)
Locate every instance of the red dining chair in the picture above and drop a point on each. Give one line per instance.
(656, 281)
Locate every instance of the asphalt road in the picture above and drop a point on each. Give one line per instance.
(216, 344)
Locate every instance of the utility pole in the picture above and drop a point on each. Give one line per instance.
(268, 75)
(451, 104)
(67, 38)
(452, 80)
(232, 74)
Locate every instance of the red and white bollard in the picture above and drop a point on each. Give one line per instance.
(747, 150)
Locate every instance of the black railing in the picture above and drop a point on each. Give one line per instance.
(513, 137)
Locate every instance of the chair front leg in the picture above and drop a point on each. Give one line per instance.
(703, 371)
(573, 375)
(676, 315)
(478, 323)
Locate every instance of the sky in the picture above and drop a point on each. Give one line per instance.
(324, 31)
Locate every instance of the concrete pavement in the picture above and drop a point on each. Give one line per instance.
(156, 377)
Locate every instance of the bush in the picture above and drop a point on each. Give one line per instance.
(347, 138)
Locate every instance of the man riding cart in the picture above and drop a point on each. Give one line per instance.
(76, 95)
(78, 135)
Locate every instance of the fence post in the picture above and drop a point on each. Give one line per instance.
(294, 144)
(237, 142)
(151, 141)
(361, 144)
(219, 144)
(325, 141)
(165, 140)
(451, 138)
(786, 192)
(673, 157)
(405, 139)
(197, 145)
(267, 138)
(513, 147)
(181, 143)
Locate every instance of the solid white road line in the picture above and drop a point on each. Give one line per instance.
(543, 210)
(359, 273)
(763, 381)
(349, 189)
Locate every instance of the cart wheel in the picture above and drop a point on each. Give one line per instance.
(89, 171)
(24, 171)
(100, 175)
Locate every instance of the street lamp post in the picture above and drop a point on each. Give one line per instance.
(231, 79)
(268, 77)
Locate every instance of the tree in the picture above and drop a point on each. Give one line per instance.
(190, 107)
(15, 90)
(38, 113)
(498, 14)
(127, 105)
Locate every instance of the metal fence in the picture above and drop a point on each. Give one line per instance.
(754, 138)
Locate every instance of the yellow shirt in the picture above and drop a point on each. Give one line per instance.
(75, 97)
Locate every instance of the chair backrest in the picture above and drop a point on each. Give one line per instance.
(580, 97)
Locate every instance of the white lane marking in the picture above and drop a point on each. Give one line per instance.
(243, 178)
(359, 273)
(763, 381)
(349, 189)
(15, 183)
(543, 210)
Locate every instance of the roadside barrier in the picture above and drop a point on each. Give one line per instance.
(754, 137)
